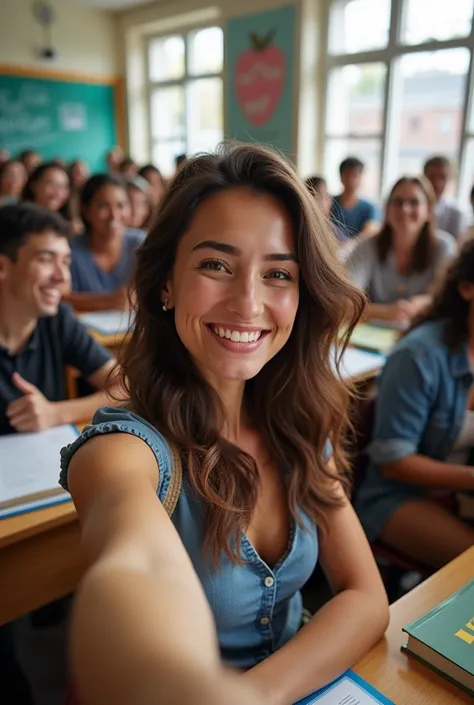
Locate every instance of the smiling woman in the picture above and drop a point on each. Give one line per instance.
(240, 298)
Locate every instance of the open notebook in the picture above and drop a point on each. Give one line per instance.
(108, 322)
(29, 469)
(356, 363)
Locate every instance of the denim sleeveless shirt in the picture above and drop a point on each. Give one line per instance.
(421, 404)
(257, 608)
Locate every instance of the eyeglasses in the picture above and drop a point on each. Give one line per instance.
(399, 202)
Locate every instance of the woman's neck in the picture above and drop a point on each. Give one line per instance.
(109, 246)
(231, 394)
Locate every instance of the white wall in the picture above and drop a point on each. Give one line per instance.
(86, 39)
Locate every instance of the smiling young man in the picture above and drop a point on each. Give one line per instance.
(39, 335)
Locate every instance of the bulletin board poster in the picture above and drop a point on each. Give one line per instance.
(260, 78)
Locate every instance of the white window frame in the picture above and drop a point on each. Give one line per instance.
(389, 56)
(183, 81)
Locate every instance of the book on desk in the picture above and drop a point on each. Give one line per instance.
(108, 322)
(29, 469)
(349, 689)
(443, 638)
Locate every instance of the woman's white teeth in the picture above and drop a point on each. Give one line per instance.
(238, 336)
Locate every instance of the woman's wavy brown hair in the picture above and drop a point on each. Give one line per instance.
(297, 401)
(425, 248)
(448, 304)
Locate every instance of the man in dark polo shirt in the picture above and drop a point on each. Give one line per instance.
(39, 335)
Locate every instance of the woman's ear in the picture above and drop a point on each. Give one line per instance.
(167, 296)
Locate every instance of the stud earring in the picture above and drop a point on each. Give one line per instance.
(165, 305)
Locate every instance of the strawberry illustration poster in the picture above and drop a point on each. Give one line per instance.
(260, 72)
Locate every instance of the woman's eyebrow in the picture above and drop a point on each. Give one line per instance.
(233, 250)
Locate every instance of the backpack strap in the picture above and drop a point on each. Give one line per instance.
(176, 482)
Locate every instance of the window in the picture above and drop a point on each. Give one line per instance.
(185, 94)
(400, 92)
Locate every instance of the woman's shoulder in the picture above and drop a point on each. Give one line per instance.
(134, 236)
(111, 420)
(446, 244)
(427, 338)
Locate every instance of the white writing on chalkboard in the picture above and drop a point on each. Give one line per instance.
(21, 112)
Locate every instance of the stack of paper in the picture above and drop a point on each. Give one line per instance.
(29, 469)
(358, 363)
(108, 322)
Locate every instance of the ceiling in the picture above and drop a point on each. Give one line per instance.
(114, 4)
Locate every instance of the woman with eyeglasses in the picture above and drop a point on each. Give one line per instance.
(397, 267)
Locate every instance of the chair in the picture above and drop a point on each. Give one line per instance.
(363, 415)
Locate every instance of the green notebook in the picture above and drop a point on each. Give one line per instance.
(371, 337)
(443, 639)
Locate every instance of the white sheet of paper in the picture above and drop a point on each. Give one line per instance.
(357, 362)
(107, 322)
(345, 692)
(29, 462)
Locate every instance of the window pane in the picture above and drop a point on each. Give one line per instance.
(356, 99)
(165, 153)
(206, 51)
(348, 29)
(425, 20)
(205, 114)
(167, 113)
(367, 150)
(428, 106)
(467, 180)
(166, 58)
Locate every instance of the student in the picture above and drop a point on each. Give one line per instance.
(239, 299)
(449, 217)
(319, 188)
(139, 195)
(48, 186)
(30, 159)
(12, 181)
(424, 428)
(4, 155)
(114, 159)
(103, 257)
(156, 181)
(353, 215)
(78, 174)
(397, 267)
(128, 168)
(179, 161)
(39, 335)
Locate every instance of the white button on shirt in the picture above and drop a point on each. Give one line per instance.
(269, 581)
(264, 621)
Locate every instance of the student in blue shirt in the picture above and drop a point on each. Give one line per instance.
(103, 257)
(353, 215)
(240, 297)
(423, 436)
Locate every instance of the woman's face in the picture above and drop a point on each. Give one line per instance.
(108, 212)
(408, 209)
(52, 189)
(234, 286)
(13, 180)
(79, 174)
(156, 184)
(139, 208)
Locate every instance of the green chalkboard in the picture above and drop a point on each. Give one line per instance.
(64, 119)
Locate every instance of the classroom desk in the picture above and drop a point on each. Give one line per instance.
(399, 677)
(40, 559)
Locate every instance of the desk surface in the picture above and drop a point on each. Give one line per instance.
(399, 677)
